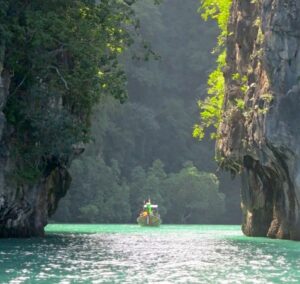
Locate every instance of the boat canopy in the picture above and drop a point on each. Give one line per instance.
(152, 206)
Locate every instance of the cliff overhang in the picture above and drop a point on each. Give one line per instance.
(261, 139)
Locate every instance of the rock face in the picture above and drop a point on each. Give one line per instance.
(260, 137)
(24, 209)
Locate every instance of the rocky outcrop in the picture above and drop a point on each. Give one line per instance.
(25, 207)
(260, 132)
(24, 211)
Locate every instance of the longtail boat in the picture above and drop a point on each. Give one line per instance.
(149, 216)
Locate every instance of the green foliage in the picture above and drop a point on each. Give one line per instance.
(193, 197)
(151, 186)
(100, 197)
(154, 123)
(63, 56)
(189, 196)
(211, 106)
(240, 103)
(218, 10)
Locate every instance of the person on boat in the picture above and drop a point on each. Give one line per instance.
(149, 207)
(144, 211)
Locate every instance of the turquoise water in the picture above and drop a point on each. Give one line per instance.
(132, 254)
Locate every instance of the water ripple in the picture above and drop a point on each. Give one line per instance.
(129, 254)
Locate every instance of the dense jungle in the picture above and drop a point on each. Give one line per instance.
(149, 141)
(144, 147)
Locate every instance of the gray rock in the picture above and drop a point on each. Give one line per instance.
(25, 208)
(262, 142)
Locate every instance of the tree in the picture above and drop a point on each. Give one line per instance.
(157, 120)
(62, 57)
(101, 197)
(144, 185)
(193, 197)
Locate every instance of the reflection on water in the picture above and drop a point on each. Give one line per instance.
(130, 254)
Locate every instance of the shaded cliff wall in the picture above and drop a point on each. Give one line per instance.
(24, 209)
(260, 136)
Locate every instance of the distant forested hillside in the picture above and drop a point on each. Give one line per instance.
(144, 147)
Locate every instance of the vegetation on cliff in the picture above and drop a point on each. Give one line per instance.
(211, 106)
(62, 56)
(61, 61)
(155, 123)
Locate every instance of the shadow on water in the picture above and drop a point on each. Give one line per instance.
(130, 254)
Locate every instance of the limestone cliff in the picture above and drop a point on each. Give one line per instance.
(25, 208)
(260, 137)
(57, 60)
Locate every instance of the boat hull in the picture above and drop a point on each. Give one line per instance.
(152, 220)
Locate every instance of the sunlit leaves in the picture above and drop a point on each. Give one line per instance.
(211, 106)
(218, 10)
